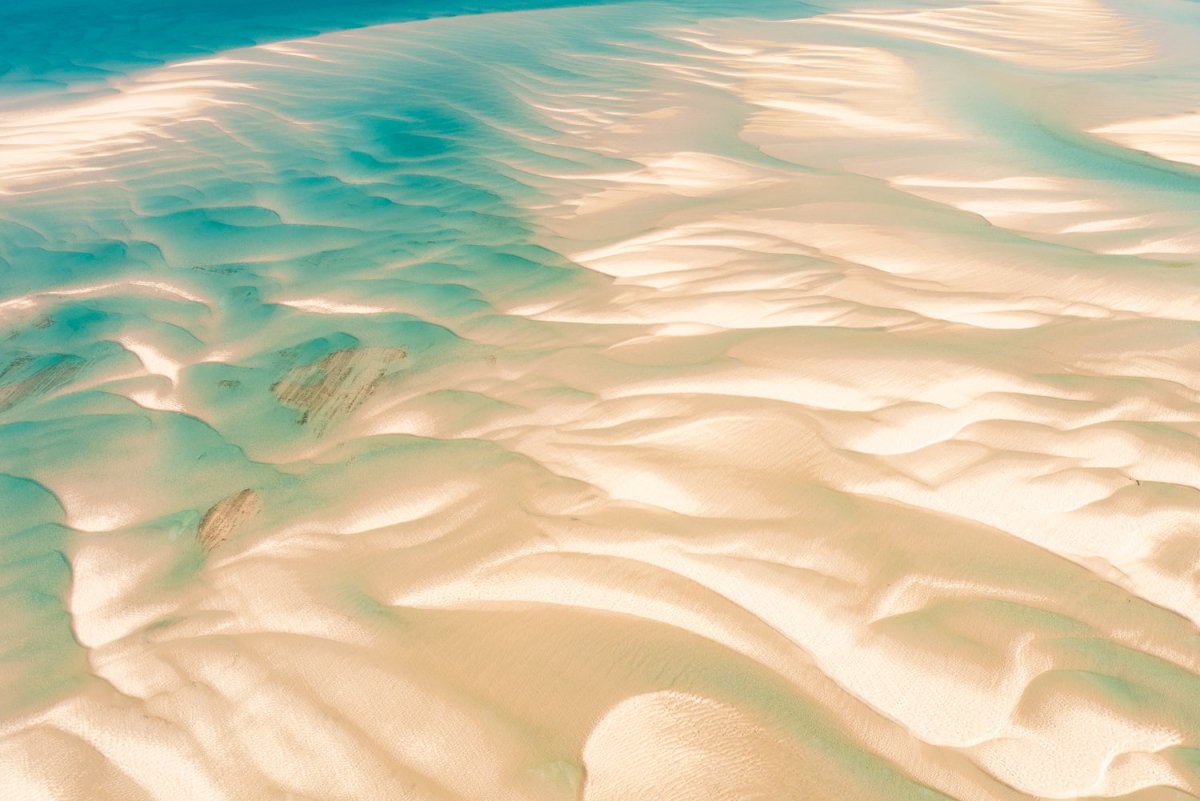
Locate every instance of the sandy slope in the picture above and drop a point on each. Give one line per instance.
(612, 404)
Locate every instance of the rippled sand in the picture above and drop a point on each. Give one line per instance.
(611, 403)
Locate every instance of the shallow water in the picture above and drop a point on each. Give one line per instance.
(637, 400)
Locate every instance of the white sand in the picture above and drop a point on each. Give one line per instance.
(863, 465)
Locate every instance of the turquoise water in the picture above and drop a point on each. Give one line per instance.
(56, 43)
(398, 177)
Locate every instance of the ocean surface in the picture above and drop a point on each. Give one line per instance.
(635, 400)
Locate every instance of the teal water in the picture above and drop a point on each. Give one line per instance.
(398, 176)
(56, 43)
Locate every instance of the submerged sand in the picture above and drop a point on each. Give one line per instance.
(612, 403)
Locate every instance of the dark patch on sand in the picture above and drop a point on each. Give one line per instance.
(26, 376)
(336, 384)
(225, 516)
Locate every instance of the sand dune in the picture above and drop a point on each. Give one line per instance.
(609, 403)
(1173, 138)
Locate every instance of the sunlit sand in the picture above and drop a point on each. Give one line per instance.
(610, 402)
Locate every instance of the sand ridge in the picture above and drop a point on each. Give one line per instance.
(607, 403)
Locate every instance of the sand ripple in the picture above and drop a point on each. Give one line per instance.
(611, 403)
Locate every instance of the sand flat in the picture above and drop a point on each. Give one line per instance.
(610, 402)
